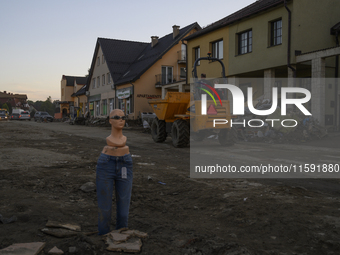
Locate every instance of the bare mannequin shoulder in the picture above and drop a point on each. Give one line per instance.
(115, 141)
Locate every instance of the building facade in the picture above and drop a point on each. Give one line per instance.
(126, 74)
(14, 100)
(277, 40)
(69, 86)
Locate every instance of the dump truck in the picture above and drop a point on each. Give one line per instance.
(180, 115)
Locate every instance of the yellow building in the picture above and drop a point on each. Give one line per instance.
(69, 87)
(276, 40)
(125, 74)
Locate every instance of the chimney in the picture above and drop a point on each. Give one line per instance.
(154, 41)
(176, 31)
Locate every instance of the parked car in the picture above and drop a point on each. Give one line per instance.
(25, 115)
(3, 114)
(14, 116)
(42, 116)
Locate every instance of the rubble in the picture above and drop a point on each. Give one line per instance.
(55, 251)
(88, 187)
(62, 230)
(53, 224)
(132, 245)
(125, 240)
(59, 232)
(62, 233)
(24, 248)
(8, 220)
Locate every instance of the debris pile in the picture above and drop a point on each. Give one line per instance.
(98, 121)
(275, 128)
(24, 248)
(125, 240)
(62, 230)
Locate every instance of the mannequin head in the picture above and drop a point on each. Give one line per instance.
(117, 123)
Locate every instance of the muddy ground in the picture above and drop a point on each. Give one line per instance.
(43, 166)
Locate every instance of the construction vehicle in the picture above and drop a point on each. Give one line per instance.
(3, 114)
(179, 114)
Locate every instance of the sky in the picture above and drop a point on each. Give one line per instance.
(41, 40)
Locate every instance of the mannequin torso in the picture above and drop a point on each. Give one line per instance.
(116, 142)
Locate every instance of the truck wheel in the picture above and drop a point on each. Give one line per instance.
(180, 133)
(158, 131)
(199, 136)
(227, 137)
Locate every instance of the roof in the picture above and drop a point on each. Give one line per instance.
(151, 54)
(128, 60)
(80, 92)
(252, 9)
(70, 80)
(11, 95)
(119, 55)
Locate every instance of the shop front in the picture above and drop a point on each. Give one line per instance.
(125, 100)
(94, 105)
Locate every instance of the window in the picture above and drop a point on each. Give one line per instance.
(94, 83)
(245, 42)
(62, 92)
(112, 104)
(103, 59)
(276, 32)
(98, 61)
(183, 73)
(108, 78)
(97, 108)
(98, 82)
(217, 49)
(197, 54)
(104, 107)
(128, 106)
(166, 74)
(103, 79)
(121, 104)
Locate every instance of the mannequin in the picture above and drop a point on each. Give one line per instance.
(114, 170)
(116, 142)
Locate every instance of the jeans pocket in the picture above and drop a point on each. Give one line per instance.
(102, 161)
(128, 159)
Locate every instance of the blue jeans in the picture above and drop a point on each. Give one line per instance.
(113, 171)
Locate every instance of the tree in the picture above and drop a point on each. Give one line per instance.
(5, 106)
(9, 108)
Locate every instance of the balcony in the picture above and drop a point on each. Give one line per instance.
(181, 56)
(162, 79)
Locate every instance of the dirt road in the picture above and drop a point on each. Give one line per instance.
(43, 166)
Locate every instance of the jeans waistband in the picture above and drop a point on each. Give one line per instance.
(125, 157)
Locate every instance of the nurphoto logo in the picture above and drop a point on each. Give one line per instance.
(238, 105)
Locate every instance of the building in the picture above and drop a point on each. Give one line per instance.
(69, 87)
(80, 100)
(125, 74)
(277, 40)
(14, 100)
